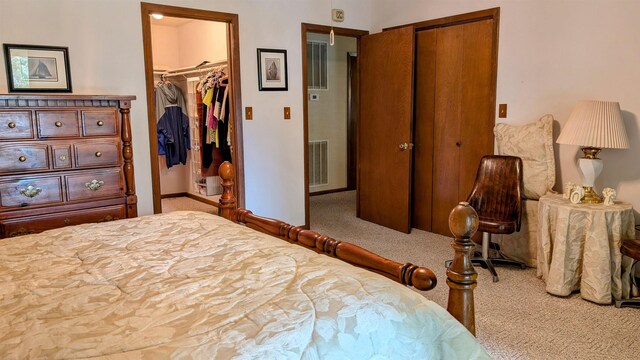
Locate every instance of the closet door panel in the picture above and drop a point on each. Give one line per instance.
(386, 116)
(423, 139)
(478, 115)
(448, 115)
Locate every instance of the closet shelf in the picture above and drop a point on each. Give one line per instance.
(202, 67)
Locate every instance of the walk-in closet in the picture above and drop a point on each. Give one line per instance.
(192, 91)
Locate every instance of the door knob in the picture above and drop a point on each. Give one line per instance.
(406, 146)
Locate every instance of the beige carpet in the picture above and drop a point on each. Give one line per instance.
(515, 317)
(185, 203)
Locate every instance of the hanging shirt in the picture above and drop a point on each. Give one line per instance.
(167, 95)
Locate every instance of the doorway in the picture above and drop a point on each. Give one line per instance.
(330, 91)
(178, 63)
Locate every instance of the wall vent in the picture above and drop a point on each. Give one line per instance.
(318, 163)
(316, 65)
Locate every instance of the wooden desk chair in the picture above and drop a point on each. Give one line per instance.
(497, 198)
(631, 248)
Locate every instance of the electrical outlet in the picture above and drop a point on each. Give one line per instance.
(248, 113)
(314, 97)
(337, 15)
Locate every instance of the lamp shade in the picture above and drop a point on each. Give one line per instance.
(595, 124)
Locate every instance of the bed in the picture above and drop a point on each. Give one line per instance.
(195, 285)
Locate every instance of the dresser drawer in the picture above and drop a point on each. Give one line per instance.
(97, 153)
(61, 156)
(21, 157)
(30, 191)
(36, 224)
(53, 124)
(95, 184)
(15, 125)
(99, 123)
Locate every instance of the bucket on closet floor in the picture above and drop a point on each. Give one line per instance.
(214, 185)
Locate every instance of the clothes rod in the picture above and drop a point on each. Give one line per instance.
(200, 67)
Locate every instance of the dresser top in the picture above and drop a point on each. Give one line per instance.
(64, 101)
(64, 97)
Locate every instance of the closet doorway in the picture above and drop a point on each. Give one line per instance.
(192, 68)
(330, 91)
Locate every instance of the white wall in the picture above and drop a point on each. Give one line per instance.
(553, 53)
(106, 56)
(328, 115)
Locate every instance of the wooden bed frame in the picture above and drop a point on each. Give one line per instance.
(461, 276)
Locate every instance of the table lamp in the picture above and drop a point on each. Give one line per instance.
(594, 125)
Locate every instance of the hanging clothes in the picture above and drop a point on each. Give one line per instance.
(173, 131)
(213, 114)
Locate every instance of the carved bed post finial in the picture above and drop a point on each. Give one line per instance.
(461, 276)
(227, 208)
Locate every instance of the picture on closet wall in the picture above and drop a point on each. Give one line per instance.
(34, 68)
(272, 70)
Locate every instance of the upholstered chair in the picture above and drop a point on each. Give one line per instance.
(533, 143)
(631, 248)
(497, 198)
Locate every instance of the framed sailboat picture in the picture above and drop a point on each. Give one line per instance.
(34, 68)
(272, 70)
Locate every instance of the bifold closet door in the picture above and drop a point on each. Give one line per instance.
(385, 128)
(422, 194)
(464, 113)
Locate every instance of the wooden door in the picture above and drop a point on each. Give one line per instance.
(352, 119)
(422, 194)
(464, 113)
(386, 117)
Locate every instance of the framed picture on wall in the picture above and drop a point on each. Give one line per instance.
(35, 68)
(272, 70)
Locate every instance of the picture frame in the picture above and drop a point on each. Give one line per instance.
(36, 68)
(272, 70)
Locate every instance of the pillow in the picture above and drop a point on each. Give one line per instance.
(533, 143)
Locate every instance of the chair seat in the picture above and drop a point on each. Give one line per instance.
(494, 226)
(631, 248)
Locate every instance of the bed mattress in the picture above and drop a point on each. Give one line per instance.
(194, 285)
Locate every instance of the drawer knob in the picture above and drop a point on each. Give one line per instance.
(94, 185)
(58, 124)
(22, 158)
(100, 123)
(62, 157)
(30, 191)
(12, 125)
(98, 154)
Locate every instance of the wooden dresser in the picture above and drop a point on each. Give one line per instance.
(64, 160)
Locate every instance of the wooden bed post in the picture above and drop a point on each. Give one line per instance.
(227, 208)
(461, 276)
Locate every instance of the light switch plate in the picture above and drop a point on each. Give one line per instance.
(502, 111)
(248, 113)
(314, 97)
(337, 15)
(287, 113)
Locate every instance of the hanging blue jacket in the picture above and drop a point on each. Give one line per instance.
(173, 136)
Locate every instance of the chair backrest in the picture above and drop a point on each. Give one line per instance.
(498, 190)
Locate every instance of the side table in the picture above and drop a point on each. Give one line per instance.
(579, 248)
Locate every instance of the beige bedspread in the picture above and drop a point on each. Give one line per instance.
(194, 285)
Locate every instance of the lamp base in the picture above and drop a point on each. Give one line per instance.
(590, 196)
(591, 167)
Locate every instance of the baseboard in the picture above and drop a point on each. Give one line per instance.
(205, 201)
(324, 192)
(173, 195)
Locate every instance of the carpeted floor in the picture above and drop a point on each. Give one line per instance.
(515, 317)
(185, 203)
